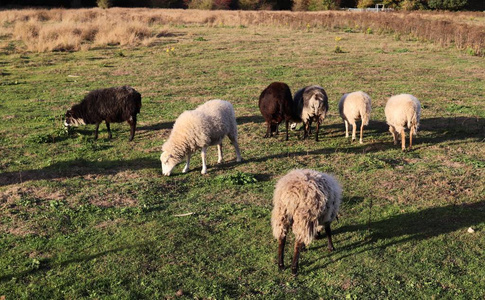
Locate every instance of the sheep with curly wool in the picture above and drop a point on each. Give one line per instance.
(353, 107)
(205, 126)
(312, 105)
(305, 200)
(402, 111)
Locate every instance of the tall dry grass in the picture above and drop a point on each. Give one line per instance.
(72, 30)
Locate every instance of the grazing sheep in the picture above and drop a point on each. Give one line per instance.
(276, 105)
(197, 129)
(116, 104)
(312, 105)
(304, 199)
(403, 111)
(352, 107)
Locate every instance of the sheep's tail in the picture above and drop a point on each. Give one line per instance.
(413, 122)
(305, 227)
(365, 113)
(279, 222)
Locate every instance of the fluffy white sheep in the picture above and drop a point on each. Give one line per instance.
(305, 200)
(197, 129)
(312, 105)
(352, 107)
(403, 111)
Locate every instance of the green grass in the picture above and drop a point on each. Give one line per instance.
(96, 219)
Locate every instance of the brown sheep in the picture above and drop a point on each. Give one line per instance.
(276, 105)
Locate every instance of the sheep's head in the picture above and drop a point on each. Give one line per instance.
(72, 119)
(168, 162)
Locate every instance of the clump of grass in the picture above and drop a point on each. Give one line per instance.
(238, 178)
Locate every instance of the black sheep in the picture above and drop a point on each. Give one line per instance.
(276, 105)
(116, 104)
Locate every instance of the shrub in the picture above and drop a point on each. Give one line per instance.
(103, 3)
(447, 4)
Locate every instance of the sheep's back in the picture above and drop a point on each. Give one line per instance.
(403, 111)
(275, 102)
(115, 104)
(354, 106)
(308, 198)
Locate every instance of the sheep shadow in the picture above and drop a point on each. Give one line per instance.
(78, 167)
(50, 263)
(450, 129)
(249, 119)
(157, 126)
(403, 228)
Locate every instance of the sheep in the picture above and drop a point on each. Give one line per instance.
(304, 199)
(352, 107)
(116, 104)
(276, 105)
(197, 129)
(401, 111)
(312, 105)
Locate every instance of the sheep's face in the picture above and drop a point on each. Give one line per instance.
(72, 120)
(168, 163)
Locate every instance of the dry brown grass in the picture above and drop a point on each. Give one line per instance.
(72, 30)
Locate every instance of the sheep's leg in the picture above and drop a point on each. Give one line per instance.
(187, 165)
(361, 132)
(296, 257)
(132, 123)
(96, 131)
(287, 125)
(109, 130)
(346, 128)
(403, 140)
(233, 139)
(354, 131)
(394, 137)
(281, 253)
(268, 130)
(316, 132)
(202, 155)
(307, 126)
(328, 232)
(411, 137)
(219, 153)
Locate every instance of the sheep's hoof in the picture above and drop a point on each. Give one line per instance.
(330, 249)
(203, 172)
(294, 271)
(361, 142)
(281, 267)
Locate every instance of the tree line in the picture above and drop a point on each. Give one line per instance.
(310, 5)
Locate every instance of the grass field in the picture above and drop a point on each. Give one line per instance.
(96, 219)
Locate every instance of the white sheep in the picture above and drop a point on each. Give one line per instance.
(403, 111)
(312, 105)
(305, 200)
(197, 129)
(352, 107)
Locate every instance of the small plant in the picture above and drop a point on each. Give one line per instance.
(170, 51)
(200, 39)
(239, 178)
(338, 49)
(369, 31)
(104, 4)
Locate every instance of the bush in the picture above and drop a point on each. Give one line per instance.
(103, 3)
(447, 4)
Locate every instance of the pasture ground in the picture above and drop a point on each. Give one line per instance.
(96, 219)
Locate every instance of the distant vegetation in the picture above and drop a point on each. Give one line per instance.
(311, 5)
(73, 30)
